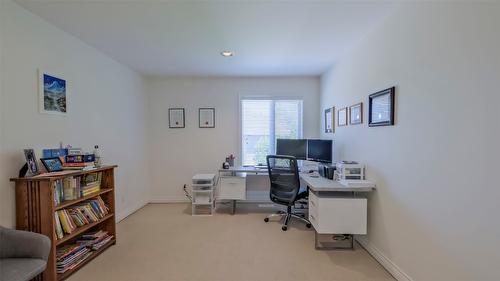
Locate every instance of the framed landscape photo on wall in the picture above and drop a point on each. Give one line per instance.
(381, 108)
(356, 114)
(330, 120)
(176, 118)
(342, 117)
(52, 93)
(206, 117)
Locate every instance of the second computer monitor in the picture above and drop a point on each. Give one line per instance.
(319, 150)
(292, 147)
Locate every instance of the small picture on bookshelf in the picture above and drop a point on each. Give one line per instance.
(52, 164)
(29, 155)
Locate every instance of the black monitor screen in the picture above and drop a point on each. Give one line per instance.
(319, 150)
(292, 147)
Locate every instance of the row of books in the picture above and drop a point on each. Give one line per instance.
(72, 188)
(71, 255)
(86, 212)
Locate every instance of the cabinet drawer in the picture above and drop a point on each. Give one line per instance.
(336, 215)
(233, 188)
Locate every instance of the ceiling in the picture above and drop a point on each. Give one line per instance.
(185, 38)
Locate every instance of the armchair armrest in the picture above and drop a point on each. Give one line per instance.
(23, 244)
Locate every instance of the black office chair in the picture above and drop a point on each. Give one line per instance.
(285, 187)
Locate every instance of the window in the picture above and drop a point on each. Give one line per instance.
(265, 120)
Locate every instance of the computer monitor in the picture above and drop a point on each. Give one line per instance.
(319, 150)
(292, 147)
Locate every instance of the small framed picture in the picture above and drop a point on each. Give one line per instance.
(29, 155)
(356, 114)
(176, 118)
(52, 93)
(206, 117)
(330, 120)
(52, 164)
(342, 117)
(381, 108)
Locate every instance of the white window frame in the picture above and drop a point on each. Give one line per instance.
(266, 97)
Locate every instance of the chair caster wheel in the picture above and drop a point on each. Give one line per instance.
(284, 228)
(266, 219)
(308, 225)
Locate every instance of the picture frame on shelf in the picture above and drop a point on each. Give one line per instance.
(330, 120)
(381, 108)
(52, 93)
(206, 117)
(342, 117)
(176, 118)
(356, 114)
(31, 162)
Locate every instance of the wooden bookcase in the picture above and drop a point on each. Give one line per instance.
(35, 209)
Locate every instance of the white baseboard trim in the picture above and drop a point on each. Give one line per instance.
(169, 200)
(130, 210)
(390, 266)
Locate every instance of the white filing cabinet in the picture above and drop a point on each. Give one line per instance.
(337, 215)
(231, 188)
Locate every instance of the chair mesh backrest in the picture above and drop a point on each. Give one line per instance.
(284, 177)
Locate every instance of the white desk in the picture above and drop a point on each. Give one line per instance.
(333, 207)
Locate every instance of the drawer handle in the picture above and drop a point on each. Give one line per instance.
(312, 217)
(312, 203)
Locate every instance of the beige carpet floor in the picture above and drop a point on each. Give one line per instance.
(164, 242)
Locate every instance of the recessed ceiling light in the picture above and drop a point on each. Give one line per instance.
(227, 53)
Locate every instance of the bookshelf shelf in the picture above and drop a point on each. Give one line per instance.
(81, 230)
(35, 208)
(68, 203)
(63, 276)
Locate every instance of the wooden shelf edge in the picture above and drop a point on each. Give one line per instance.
(68, 203)
(62, 276)
(69, 174)
(82, 229)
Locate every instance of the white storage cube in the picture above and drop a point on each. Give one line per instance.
(202, 210)
(202, 196)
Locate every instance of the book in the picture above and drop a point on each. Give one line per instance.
(59, 230)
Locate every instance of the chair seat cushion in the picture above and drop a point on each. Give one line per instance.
(20, 269)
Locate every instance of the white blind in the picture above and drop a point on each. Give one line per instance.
(264, 121)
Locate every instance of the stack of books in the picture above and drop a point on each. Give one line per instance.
(91, 183)
(78, 162)
(95, 240)
(70, 256)
(72, 188)
(89, 211)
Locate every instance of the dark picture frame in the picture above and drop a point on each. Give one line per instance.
(52, 164)
(176, 118)
(353, 109)
(208, 121)
(342, 112)
(31, 162)
(330, 120)
(381, 108)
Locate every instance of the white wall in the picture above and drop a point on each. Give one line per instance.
(4, 208)
(177, 154)
(435, 211)
(107, 106)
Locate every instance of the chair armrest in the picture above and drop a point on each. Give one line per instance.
(23, 244)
